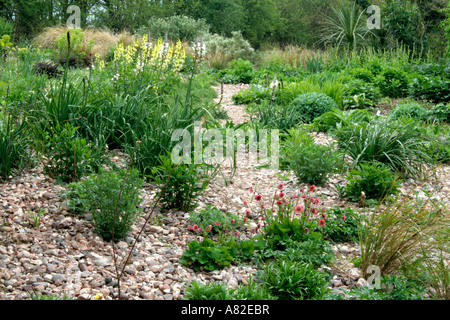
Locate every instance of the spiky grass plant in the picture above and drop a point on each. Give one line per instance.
(396, 236)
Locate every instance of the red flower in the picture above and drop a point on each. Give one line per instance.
(237, 233)
(233, 221)
(302, 190)
(294, 197)
(303, 196)
(312, 188)
(190, 228)
(245, 203)
(258, 197)
(322, 223)
(258, 226)
(209, 228)
(195, 227)
(250, 190)
(247, 212)
(281, 194)
(226, 231)
(299, 209)
(217, 223)
(317, 201)
(343, 217)
(314, 211)
(279, 202)
(324, 215)
(281, 186)
(263, 205)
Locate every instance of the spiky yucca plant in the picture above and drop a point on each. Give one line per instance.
(344, 27)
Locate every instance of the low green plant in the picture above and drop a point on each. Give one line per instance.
(314, 251)
(436, 88)
(219, 291)
(208, 255)
(342, 225)
(313, 164)
(290, 280)
(393, 82)
(37, 216)
(392, 288)
(311, 105)
(337, 119)
(219, 220)
(69, 156)
(112, 198)
(183, 185)
(412, 110)
(240, 71)
(374, 179)
(400, 144)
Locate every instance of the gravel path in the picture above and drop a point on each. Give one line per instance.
(64, 256)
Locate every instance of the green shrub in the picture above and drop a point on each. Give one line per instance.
(79, 48)
(374, 179)
(223, 50)
(412, 110)
(112, 198)
(290, 280)
(363, 74)
(240, 71)
(177, 27)
(219, 220)
(392, 288)
(337, 119)
(208, 255)
(313, 164)
(436, 89)
(219, 291)
(69, 156)
(393, 82)
(441, 112)
(361, 89)
(179, 184)
(342, 225)
(311, 105)
(399, 144)
(314, 251)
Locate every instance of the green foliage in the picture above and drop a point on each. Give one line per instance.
(311, 105)
(345, 27)
(14, 154)
(227, 49)
(112, 198)
(412, 110)
(342, 225)
(290, 280)
(337, 119)
(404, 21)
(177, 27)
(392, 288)
(179, 184)
(314, 251)
(219, 220)
(219, 291)
(69, 156)
(374, 179)
(398, 144)
(313, 164)
(79, 49)
(240, 71)
(433, 88)
(6, 27)
(393, 82)
(208, 255)
(441, 112)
